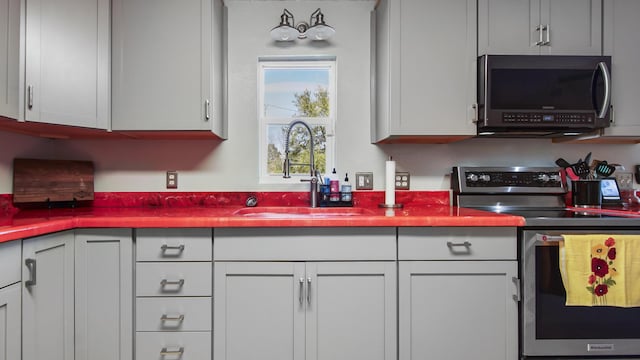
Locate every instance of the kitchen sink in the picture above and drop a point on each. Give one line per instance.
(300, 212)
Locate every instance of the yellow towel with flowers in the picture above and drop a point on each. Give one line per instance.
(601, 269)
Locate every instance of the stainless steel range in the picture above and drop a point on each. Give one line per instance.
(548, 328)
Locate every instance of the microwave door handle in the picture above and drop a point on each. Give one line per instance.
(602, 67)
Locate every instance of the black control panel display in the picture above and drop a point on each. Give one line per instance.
(548, 118)
(482, 179)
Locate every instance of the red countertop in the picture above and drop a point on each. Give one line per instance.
(187, 210)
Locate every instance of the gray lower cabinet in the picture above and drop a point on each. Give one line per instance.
(10, 322)
(77, 295)
(173, 294)
(48, 297)
(10, 307)
(457, 293)
(302, 309)
(103, 294)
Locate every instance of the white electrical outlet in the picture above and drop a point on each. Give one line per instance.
(625, 180)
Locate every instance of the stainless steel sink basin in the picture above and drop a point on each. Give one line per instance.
(300, 212)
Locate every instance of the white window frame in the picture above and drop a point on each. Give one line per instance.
(311, 62)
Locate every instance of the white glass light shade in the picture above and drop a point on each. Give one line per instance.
(284, 33)
(320, 32)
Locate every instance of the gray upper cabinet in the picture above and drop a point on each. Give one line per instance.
(548, 27)
(67, 79)
(9, 57)
(621, 41)
(425, 84)
(167, 66)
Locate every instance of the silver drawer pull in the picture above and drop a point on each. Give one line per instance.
(452, 244)
(166, 247)
(166, 282)
(178, 352)
(31, 265)
(166, 317)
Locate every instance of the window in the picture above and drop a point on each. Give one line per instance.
(296, 89)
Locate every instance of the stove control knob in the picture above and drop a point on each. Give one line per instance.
(472, 177)
(556, 178)
(544, 178)
(485, 177)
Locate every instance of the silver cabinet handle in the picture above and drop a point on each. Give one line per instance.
(166, 317)
(547, 30)
(539, 30)
(31, 265)
(166, 247)
(178, 352)
(309, 290)
(30, 97)
(301, 294)
(476, 113)
(166, 282)
(207, 110)
(517, 295)
(452, 244)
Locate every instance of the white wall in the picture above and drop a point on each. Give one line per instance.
(232, 165)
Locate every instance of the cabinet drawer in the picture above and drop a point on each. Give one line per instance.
(173, 279)
(173, 244)
(10, 258)
(313, 244)
(173, 314)
(459, 243)
(173, 345)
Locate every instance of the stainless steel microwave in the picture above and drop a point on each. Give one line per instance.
(543, 95)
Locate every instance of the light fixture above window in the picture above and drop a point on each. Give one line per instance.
(288, 30)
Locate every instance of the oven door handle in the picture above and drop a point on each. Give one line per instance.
(549, 239)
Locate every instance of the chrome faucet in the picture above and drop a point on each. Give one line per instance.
(313, 180)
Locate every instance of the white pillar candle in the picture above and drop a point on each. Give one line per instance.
(390, 183)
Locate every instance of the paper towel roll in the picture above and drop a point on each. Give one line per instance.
(390, 183)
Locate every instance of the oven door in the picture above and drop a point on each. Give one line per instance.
(548, 327)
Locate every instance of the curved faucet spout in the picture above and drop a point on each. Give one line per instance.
(287, 163)
(313, 181)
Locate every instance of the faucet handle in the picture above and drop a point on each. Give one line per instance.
(313, 180)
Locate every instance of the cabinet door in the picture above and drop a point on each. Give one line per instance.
(104, 294)
(437, 67)
(68, 62)
(458, 310)
(508, 27)
(162, 70)
(9, 57)
(426, 70)
(620, 25)
(10, 322)
(351, 311)
(259, 311)
(574, 27)
(48, 297)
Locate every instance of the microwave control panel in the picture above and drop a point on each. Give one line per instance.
(548, 118)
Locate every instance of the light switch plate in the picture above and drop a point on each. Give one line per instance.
(172, 179)
(364, 181)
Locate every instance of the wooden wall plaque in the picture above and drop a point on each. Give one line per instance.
(40, 180)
